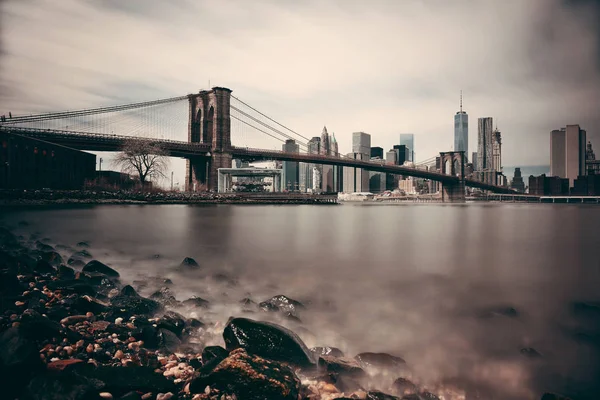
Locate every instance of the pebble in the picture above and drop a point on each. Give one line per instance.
(119, 354)
(106, 395)
(164, 396)
(68, 350)
(19, 303)
(118, 321)
(147, 396)
(89, 348)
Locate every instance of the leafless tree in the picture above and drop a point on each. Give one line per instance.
(145, 159)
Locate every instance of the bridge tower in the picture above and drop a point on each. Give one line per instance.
(453, 163)
(209, 122)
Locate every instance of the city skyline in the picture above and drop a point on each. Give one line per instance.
(414, 96)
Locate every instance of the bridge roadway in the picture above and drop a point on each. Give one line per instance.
(174, 148)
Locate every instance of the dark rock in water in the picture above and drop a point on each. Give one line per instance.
(164, 296)
(226, 279)
(44, 267)
(19, 360)
(86, 304)
(98, 267)
(248, 302)
(82, 254)
(72, 286)
(341, 365)
(173, 322)
(65, 272)
(63, 386)
(250, 377)
(196, 301)
(404, 386)
(52, 257)
(380, 360)
(377, 395)
(168, 340)
(136, 305)
(43, 246)
(327, 351)
(75, 262)
(128, 290)
(504, 311)
(120, 380)
(553, 396)
(83, 244)
(147, 333)
(267, 340)
(35, 326)
(282, 303)
(189, 264)
(212, 353)
(530, 352)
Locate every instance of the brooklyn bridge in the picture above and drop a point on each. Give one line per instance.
(214, 119)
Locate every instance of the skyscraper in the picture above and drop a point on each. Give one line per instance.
(484, 144)
(326, 170)
(497, 151)
(325, 149)
(517, 181)
(361, 143)
(377, 152)
(461, 130)
(408, 139)
(306, 170)
(567, 153)
(474, 161)
(289, 168)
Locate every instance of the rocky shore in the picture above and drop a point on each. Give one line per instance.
(74, 330)
(83, 197)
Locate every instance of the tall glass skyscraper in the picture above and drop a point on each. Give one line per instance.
(408, 140)
(461, 130)
(484, 143)
(290, 168)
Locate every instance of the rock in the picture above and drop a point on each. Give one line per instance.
(43, 246)
(135, 305)
(327, 351)
(73, 319)
(429, 396)
(86, 304)
(128, 290)
(380, 360)
(98, 267)
(211, 357)
(19, 360)
(146, 333)
(196, 301)
(377, 395)
(267, 340)
(173, 322)
(35, 326)
(168, 340)
(9, 284)
(72, 286)
(164, 296)
(403, 386)
(63, 365)
(250, 377)
(63, 386)
(65, 272)
(341, 365)
(44, 267)
(282, 303)
(189, 264)
(83, 244)
(75, 262)
(553, 396)
(52, 257)
(82, 254)
(119, 381)
(530, 352)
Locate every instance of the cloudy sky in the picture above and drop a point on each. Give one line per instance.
(382, 67)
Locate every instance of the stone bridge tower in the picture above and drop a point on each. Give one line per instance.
(210, 123)
(453, 163)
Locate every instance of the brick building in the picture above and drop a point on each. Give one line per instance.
(548, 185)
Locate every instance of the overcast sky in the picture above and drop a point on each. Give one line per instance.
(382, 67)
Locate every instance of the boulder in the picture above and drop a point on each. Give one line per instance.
(380, 360)
(164, 296)
(341, 366)
(75, 262)
(65, 272)
(282, 303)
(135, 305)
(128, 290)
(403, 386)
(72, 286)
(52, 257)
(83, 244)
(188, 264)
(168, 341)
(197, 302)
(327, 351)
(19, 360)
(212, 354)
(86, 304)
(35, 326)
(52, 386)
(250, 377)
(100, 268)
(267, 340)
(43, 246)
(173, 322)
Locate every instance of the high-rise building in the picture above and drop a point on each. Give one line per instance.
(361, 143)
(325, 145)
(517, 181)
(290, 169)
(497, 151)
(338, 172)
(334, 146)
(484, 144)
(377, 152)
(403, 154)
(461, 130)
(391, 157)
(592, 165)
(568, 152)
(474, 161)
(306, 169)
(356, 179)
(408, 139)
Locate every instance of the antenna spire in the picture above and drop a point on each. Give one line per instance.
(461, 101)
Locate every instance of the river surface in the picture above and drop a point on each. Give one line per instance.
(419, 281)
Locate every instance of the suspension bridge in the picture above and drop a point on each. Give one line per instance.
(201, 127)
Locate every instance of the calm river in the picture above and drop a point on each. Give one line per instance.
(430, 283)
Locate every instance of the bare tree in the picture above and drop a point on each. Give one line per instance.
(145, 159)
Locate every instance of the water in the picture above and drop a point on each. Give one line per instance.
(411, 280)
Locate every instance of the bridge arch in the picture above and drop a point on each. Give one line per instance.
(196, 134)
(209, 125)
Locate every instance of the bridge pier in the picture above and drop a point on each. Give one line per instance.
(196, 175)
(454, 192)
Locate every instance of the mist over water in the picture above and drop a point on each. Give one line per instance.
(429, 283)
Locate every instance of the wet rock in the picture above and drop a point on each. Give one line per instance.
(377, 395)
(146, 333)
(43, 246)
(380, 360)
(327, 351)
(196, 301)
(188, 264)
(9, 284)
(167, 340)
(35, 326)
(210, 354)
(72, 286)
(19, 360)
(135, 305)
(52, 257)
(530, 352)
(554, 396)
(250, 377)
(75, 262)
(267, 340)
(403, 386)
(44, 267)
(128, 290)
(83, 244)
(164, 296)
(82, 254)
(63, 386)
(98, 267)
(173, 322)
(65, 272)
(86, 304)
(119, 381)
(341, 366)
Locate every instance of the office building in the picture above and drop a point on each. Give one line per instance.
(548, 185)
(403, 154)
(461, 130)
(377, 152)
(290, 169)
(361, 143)
(408, 140)
(334, 146)
(568, 153)
(325, 144)
(484, 144)
(377, 182)
(497, 151)
(517, 181)
(391, 157)
(306, 169)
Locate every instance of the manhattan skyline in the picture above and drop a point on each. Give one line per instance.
(299, 75)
